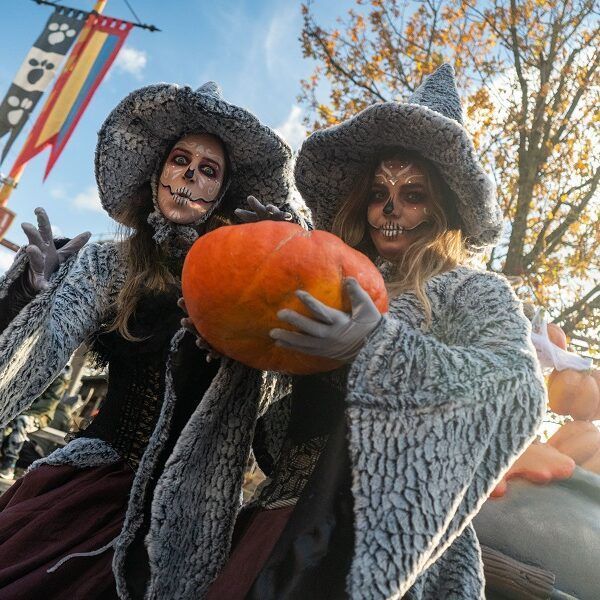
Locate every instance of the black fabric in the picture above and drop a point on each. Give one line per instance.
(192, 376)
(267, 444)
(136, 374)
(317, 405)
(19, 295)
(312, 557)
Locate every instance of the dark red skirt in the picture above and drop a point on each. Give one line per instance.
(254, 540)
(52, 512)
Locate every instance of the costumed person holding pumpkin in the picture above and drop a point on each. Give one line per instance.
(376, 468)
(171, 163)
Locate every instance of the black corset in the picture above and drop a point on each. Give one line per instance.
(136, 375)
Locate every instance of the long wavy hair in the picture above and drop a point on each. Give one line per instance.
(441, 247)
(150, 269)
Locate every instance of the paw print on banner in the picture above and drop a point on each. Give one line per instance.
(59, 33)
(19, 109)
(38, 70)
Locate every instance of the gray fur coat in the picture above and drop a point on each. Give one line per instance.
(434, 417)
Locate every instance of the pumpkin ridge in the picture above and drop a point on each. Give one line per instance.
(249, 290)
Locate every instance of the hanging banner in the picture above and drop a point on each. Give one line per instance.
(37, 71)
(87, 66)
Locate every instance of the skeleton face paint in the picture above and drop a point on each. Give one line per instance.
(399, 205)
(191, 178)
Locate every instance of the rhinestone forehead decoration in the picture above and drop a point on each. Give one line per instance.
(393, 177)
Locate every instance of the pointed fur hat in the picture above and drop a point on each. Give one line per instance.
(140, 131)
(431, 124)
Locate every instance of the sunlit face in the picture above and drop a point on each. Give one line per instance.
(191, 178)
(399, 206)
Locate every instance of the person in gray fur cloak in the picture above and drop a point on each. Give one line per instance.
(171, 163)
(376, 470)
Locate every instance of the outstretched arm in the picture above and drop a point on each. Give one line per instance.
(39, 341)
(445, 418)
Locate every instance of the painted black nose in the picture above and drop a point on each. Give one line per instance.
(189, 174)
(388, 209)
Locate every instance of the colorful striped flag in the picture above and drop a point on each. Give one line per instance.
(92, 56)
(37, 71)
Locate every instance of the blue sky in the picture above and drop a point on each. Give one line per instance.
(250, 47)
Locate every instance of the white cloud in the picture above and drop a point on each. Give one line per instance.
(59, 192)
(6, 259)
(57, 232)
(88, 200)
(132, 61)
(292, 130)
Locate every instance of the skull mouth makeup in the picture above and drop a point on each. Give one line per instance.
(391, 229)
(183, 196)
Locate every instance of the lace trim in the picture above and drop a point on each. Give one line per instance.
(293, 471)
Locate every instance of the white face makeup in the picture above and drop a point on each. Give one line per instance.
(399, 206)
(191, 178)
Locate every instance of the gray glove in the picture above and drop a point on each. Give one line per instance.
(260, 212)
(44, 258)
(333, 333)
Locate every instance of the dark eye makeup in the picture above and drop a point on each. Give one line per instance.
(208, 170)
(180, 159)
(415, 197)
(378, 194)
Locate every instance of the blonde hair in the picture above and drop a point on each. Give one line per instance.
(441, 248)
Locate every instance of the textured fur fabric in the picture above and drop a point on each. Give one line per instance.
(138, 133)
(330, 160)
(16, 269)
(39, 341)
(435, 417)
(197, 495)
(456, 575)
(81, 453)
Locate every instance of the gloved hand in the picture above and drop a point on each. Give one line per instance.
(188, 324)
(44, 258)
(260, 212)
(333, 333)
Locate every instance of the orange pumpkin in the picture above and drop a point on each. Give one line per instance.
(557, 336)
(236, 278)
(574, 393)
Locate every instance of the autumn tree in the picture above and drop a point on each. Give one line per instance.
(528, 71)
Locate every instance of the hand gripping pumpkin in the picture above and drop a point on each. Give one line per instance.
(235, 279)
